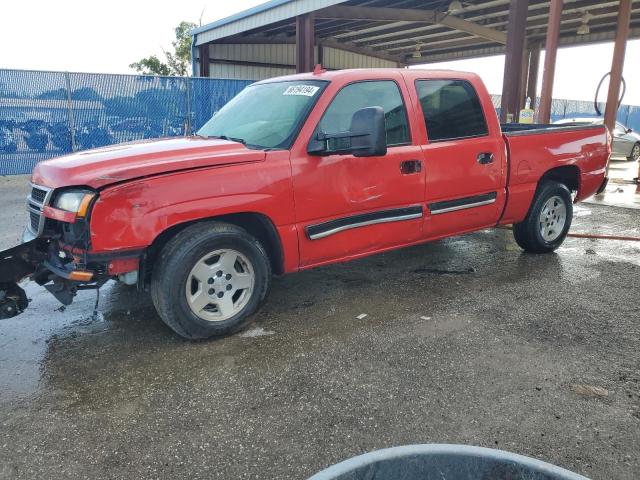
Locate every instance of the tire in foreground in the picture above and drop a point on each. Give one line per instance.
(209, 279)
(548, 221)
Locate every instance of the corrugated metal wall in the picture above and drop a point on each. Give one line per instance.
(334, 58)
(244, 72)
(281, 60)
(278, 60)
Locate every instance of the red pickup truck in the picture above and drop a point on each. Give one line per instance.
(293, 173)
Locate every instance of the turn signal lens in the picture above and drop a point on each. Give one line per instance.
(80, 276)
(83, 209)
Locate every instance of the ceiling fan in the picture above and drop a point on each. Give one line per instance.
(584, 29)
(456, 6)
(417, 53)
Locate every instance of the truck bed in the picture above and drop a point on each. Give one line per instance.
(575, 152)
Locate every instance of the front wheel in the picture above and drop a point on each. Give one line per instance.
(548, 221)
(209, 279)
(635, 153)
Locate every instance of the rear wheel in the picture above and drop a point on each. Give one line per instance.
(635, 153)
(209, 279)
(548, 221)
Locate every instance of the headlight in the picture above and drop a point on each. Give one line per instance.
(76, 201)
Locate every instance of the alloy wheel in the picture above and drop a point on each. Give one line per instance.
(553, 218)
(220, 285)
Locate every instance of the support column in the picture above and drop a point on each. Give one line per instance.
(532, 82)
(522, 87)
(305, 43)
(203, 53)
(622, 32)
(516, 31)
(550, 52)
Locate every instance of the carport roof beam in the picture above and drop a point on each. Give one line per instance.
(340, 12)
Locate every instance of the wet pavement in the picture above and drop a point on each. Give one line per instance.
(466, 340)
(621, 191)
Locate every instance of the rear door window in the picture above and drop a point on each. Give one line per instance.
(451, 110)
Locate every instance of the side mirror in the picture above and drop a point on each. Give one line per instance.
(628, 130)
(367, 136)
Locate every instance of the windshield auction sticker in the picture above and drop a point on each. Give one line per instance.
(302, 90)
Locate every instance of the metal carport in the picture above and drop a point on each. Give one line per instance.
(284, 36)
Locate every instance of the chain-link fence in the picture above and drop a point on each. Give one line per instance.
(46, 114)
(628, 115)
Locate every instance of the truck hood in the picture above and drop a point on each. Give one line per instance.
(117, 163)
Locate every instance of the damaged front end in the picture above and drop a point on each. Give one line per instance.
(46, 263)
(55, 250)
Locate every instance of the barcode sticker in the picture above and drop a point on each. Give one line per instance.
(303, 90)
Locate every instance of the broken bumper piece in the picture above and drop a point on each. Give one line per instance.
(15, 264)
(37, 259)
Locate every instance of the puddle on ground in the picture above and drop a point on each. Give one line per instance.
(24, 339)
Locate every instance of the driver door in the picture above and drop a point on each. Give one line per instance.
(348, 206)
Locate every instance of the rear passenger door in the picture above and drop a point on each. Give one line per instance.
(464, 158)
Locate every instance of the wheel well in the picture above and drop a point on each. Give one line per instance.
(568, 175)
(257, 224)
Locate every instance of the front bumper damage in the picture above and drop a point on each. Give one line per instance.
(56, 253)
(16, 264)
(43, 261)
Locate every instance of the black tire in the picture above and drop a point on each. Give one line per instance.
(173, 267)
(635, 153)
(527, 233)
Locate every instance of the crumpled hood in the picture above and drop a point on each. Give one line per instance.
(117, 163)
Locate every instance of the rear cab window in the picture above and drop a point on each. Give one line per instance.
(451, 110)
(369, 93)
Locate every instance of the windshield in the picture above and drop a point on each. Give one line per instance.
(265, 115)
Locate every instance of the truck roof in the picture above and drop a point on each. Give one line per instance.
(373, 73)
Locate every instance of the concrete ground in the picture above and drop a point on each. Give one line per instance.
(466, 340)
(621, 191)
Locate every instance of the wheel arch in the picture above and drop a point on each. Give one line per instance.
(568, 175)
(256, 224)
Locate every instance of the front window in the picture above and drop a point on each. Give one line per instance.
(350, 99)
(265, 115)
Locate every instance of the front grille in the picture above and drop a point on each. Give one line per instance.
(34, 219)
(36, 202)
(38, 195)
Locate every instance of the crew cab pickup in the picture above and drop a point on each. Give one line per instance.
(293, 173)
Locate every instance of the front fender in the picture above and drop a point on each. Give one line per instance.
(132, 215)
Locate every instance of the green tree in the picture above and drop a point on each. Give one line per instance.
(177, 62)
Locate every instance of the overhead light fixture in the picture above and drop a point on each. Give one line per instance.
(455, 6)
(584, 29)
